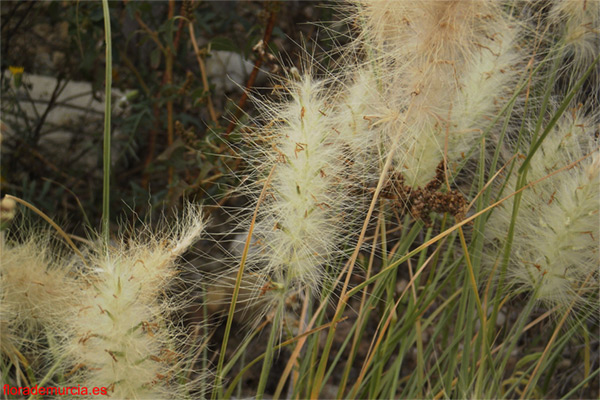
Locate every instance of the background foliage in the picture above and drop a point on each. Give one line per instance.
(171, 120)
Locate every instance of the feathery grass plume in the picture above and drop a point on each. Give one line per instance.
(432, 59)
(579, 21)
(38, 291)
(300, 222)
(122, 336)
(357, 119)
(555, 248)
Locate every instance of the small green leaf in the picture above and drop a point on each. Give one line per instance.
(223, 43)
(527, 359)
(155, 58)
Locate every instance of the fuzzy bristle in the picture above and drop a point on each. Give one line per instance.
(301, 218)
(579, 21)
(122, 337)
(445, 68)
(555, 247)
(37, 288)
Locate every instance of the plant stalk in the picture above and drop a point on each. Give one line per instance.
(107, 111)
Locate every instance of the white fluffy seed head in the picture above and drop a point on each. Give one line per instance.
(362, 120)
(37, 289)
(301, 220)
(579, 25)
(485, 87)
(425, 44)
(121, 336)
(445, 69)
(555, 246)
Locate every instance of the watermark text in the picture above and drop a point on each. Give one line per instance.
(53, 390)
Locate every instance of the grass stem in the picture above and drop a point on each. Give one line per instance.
(107, 115)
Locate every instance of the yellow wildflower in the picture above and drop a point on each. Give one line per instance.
(17, 73)
(16, 70)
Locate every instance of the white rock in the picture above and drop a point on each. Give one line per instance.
(75, 108)
(227, 70)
